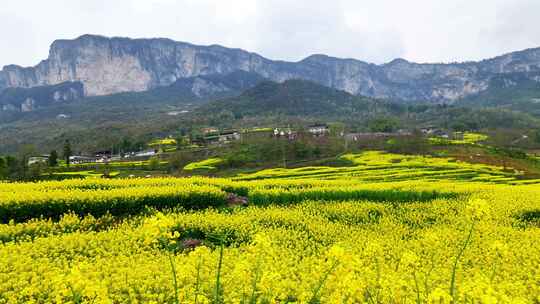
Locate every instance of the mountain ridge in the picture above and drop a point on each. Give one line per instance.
(196, 89)
(113, 65)
(94, 36)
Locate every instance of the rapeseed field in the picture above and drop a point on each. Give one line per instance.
(387, 229)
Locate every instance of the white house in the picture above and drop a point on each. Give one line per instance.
(76, 159)
(38, 159)
(318, 129)
(146, 153)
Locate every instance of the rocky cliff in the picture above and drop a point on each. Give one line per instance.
(111, 65)
(28, 99)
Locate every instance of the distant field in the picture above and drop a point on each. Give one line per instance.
(386, 167)
(469, 138)
(208, 164)
(388, 228)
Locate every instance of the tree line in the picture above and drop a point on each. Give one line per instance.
(18, 168)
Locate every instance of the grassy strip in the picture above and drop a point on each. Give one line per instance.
(282, 196)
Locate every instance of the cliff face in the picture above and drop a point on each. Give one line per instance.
(112, 65)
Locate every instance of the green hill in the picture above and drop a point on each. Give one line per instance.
(295, 98)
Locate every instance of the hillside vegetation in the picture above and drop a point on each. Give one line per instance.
(237, 100)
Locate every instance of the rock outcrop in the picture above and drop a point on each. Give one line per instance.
(111, 65)
(211, 86)
(28, 99)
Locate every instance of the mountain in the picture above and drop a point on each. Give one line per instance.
(189, 90)
(205, 87)
(293, 98)
(513, 91)
(112, 65)
(98, 121)
(28, 99)
(186, 90)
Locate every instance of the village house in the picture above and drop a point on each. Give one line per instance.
(103, 156)
(440, 133)
(148, 153)
(428, 130)
(209, 130)
(41, 159)
(254, 133)
(222, 137)
(77, 159)
(404, 132)
(227, 136)
(285, 133)
(434, 131)
(319, 129)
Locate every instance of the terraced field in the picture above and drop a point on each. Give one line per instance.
(387, 229)
(383, 167)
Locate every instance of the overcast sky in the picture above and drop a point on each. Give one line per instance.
(374, 31)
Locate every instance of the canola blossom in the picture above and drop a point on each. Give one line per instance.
(345, 239)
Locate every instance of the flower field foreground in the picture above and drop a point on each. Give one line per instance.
(341, 240)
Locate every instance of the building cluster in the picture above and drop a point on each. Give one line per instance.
(433, 131)
(38, 159)
(103, 157)
(215, 137)
(372, 135)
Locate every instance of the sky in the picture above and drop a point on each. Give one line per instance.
(375, 31)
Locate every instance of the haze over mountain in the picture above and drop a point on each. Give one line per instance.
(113, 65)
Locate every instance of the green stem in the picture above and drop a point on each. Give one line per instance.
(217, 295)
(174, 279)
(418, 301)
(493, 272)
(198, 280)
(454, 268)
(428, 274)
(315, 297)
(253, 298)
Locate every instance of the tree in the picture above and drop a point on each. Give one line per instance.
(383, 125)
(337, 128)
(34, 171)
(53, 159)
(178, 161)
(414, 144)
(13, 167)
(537, 136)
(67, 152)
(226, 115)
(24, 156)
(3, 168)
(459, 126)
(153, 163)
(181, 142)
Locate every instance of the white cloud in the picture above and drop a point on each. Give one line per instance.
(516, 27)
(374, 31)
